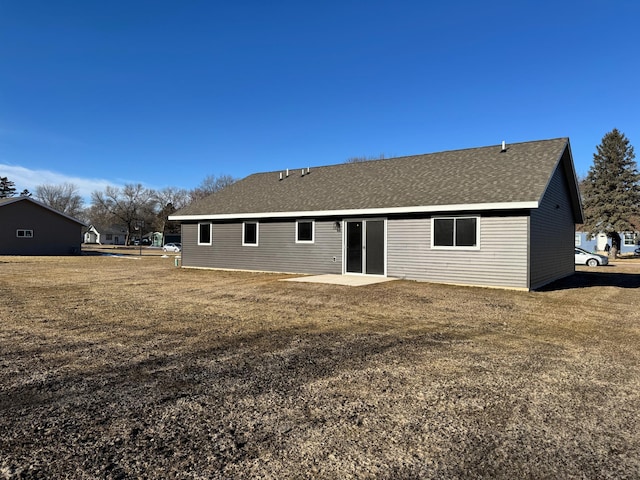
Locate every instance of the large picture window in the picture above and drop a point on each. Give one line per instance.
(204, 234)
(250, 234)
(304, 231)
(455, 232)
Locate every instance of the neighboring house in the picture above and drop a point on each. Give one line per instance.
(28, 227)
(500, 216)
(629, 242)
(113, 235)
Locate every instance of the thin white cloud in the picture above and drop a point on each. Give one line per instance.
(30, 179)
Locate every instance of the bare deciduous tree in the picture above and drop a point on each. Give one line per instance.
(209, 185)
(382, 156)
(64, 198)
(168, 200)
(127, 206)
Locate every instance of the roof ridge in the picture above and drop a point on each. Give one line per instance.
(375, 160)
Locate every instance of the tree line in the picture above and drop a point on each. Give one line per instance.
(129, 206)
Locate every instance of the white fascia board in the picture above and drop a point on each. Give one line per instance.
(363, 211)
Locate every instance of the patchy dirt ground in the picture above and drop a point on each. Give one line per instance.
(127, 367)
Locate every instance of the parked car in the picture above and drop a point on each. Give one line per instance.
(592, 259)
(172, 247)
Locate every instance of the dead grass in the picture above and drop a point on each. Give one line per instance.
(117, 367)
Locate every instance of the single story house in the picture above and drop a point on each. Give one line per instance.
(29, 227)
(114, 235)
(629, 242)
(499, 216)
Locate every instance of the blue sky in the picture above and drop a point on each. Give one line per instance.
(165, 93)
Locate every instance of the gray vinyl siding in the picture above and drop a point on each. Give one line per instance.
(53, 234)
(277, 250)
(501, 260)
(552, 234)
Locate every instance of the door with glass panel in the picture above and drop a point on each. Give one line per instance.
(365, 246)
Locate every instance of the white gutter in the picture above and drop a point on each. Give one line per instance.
(364, 211)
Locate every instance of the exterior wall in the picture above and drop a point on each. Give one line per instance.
(277, 250)
(583, 241)
(501, 260)
(53, 234)
(552, 230)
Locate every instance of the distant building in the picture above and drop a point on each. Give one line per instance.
(628, 244)
(113, 235)
(28, 227)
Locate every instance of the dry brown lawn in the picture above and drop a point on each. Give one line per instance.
(120, 367)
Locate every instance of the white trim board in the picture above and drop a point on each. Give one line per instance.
(363, 211)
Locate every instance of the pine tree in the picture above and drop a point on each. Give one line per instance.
(7, 188)
(611, 191)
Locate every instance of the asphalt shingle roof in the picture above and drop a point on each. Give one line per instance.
(471, 176)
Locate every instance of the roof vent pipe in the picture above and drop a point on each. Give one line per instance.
(308, 170)
(504, 146)
(287, 172)
(302, 172)
(280, 175)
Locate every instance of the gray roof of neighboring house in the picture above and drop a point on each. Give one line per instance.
(113, 229)
(10, 200)
(474, 176)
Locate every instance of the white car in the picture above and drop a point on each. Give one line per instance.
(592, 259)
(172, 247)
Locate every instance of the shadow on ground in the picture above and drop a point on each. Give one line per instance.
(595, 279)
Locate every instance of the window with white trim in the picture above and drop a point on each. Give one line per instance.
(629, 239)
(205, 234)
(250, 234)
(22, 233)
(455, 232)
(305, 230)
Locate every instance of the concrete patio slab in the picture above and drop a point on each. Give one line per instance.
(348, 280)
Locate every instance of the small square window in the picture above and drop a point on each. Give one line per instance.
(304, 231)
(204, 234)
(21, 233)
(629, 239)
(250, 234)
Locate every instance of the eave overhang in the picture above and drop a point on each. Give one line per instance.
(362, 211)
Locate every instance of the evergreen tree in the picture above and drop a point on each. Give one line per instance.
(611, 191)
(7, 188)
